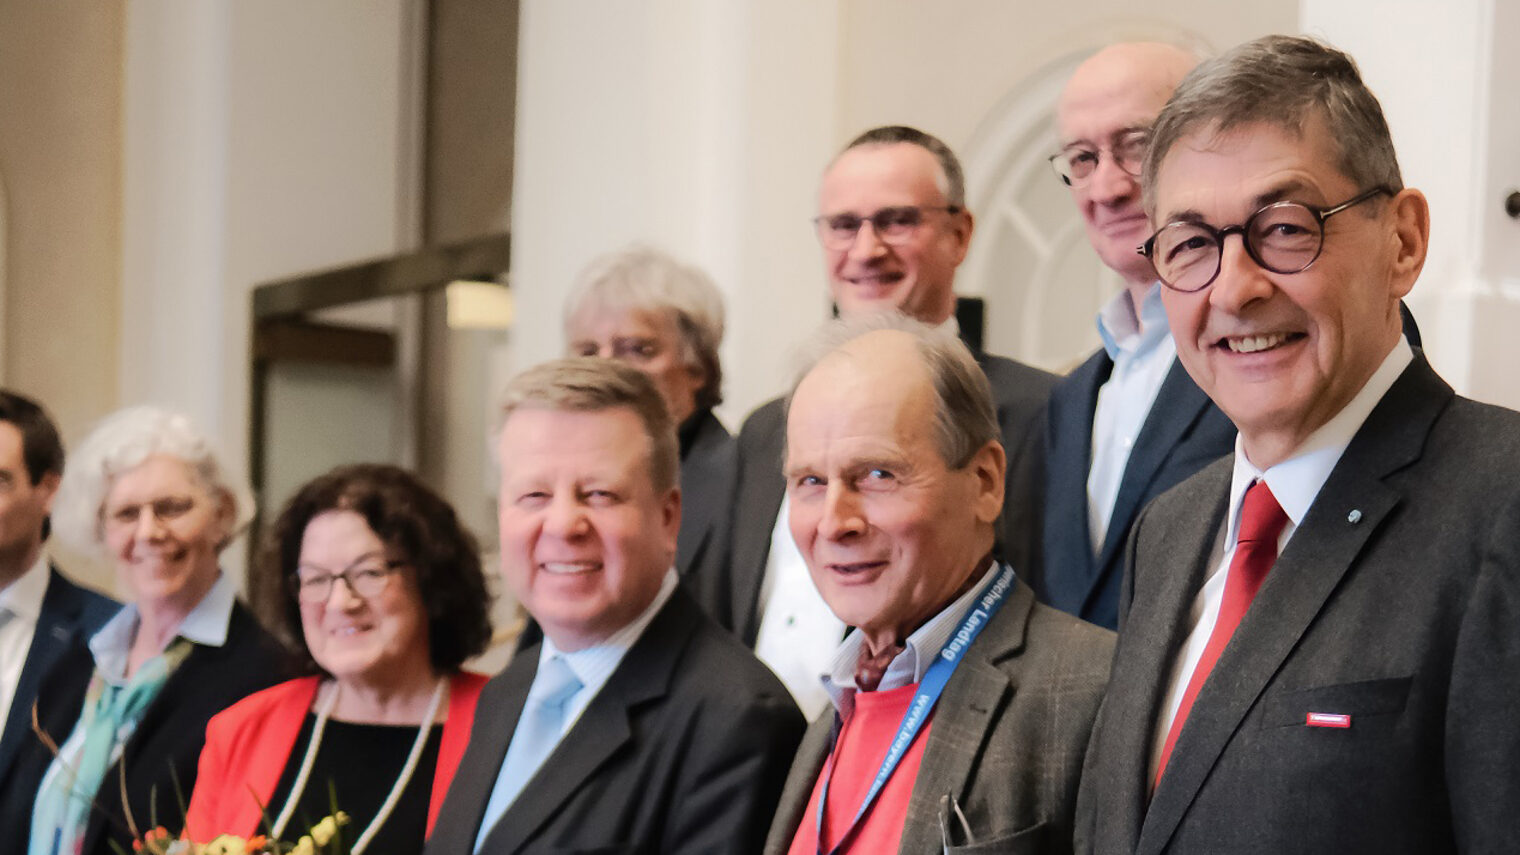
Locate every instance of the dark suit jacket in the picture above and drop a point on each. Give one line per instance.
(1007, 738)
(70, 613)
(709, 468)
(163, 752)
(1019, 393)
(684, 750)
(1396, 602)
(1183, 432)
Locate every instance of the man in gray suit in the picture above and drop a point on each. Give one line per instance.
(1318, 646)
(894, 228)
(980, 699)
(41, 611)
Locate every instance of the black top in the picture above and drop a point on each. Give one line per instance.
(362, 763)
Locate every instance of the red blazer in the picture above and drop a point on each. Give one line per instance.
(249, 743)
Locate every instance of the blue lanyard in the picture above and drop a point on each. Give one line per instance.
(986, 604)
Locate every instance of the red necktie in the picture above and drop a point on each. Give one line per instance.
(1261, 523)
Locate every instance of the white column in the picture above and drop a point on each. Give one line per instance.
(1447, 75)
(701, 127)
(261, 140)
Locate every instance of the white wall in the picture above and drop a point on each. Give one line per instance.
(261, 140)
(1447, 75)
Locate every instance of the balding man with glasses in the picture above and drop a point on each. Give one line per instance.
(1318, 646)
(893, 225)
(1128, 423)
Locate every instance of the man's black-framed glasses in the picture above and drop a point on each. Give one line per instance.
(892, 225)
(314, 585)
(1283, 237)
(1076, 163)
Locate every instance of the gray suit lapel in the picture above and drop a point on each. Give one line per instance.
(963, 721)
(1157, 624)
(1321, 553)
(642, 677)
(811, 755)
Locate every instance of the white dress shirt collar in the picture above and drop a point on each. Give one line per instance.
(919, 650)
(23, 597)
(1296, 481)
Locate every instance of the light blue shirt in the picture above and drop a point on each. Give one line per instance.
(1142, 350)
(593, 667)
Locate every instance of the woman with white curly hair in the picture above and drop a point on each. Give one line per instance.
(120, 720)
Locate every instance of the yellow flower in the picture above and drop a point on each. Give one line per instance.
(226, 844)
(322, 833)
(304, 846)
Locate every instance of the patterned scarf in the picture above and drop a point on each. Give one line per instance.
(111, 713)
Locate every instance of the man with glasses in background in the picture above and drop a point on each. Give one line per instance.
(893, 224)
(1128, 423)
(1318, 647)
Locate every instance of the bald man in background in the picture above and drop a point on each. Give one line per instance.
(1129, 422)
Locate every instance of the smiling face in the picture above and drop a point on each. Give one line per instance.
(369, 640)
(1281, 354)
(648, 341)
(585, 536)
(1122, 88)
(165, 529)
(916, 277)
(890, 534)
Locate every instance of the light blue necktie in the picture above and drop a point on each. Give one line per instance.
(538, 731)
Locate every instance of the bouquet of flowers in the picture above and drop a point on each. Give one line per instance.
(321, 839)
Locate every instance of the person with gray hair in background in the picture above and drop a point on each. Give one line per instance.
(121, 719)
(650, 311)
(960, 708)
(1319, 636)
(636, 724)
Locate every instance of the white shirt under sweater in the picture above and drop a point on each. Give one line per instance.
(1295, 482)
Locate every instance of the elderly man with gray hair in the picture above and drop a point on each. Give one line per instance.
(1318, 647)
(648, 310)
(960, 708)
(637, 724)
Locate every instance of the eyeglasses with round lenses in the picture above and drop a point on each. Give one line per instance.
(1075, 164)
(892, 226)
(1283, 237)
(313, 585)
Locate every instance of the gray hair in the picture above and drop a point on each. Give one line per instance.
(1284, 82)
(952, 177)
(644, 279)
(122, 442)
(964, 417)
(588, 384)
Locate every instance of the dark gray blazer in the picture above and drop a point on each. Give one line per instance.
(1007, 738)
(1396, 602)
(684, 750)
(70, 613)
(1183, 432)
(709, 468)
(732, 594)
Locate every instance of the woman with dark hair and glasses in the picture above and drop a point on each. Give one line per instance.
(383, 593)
